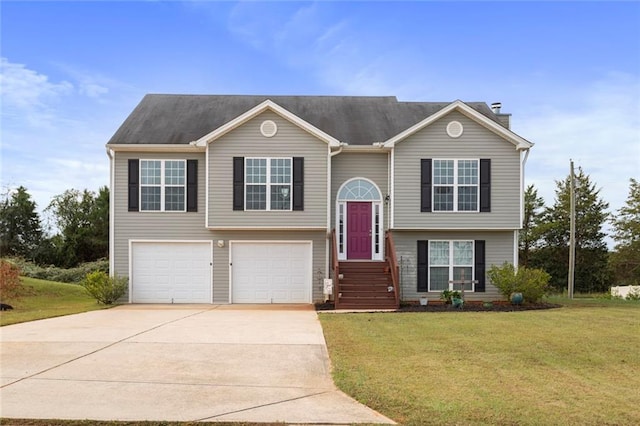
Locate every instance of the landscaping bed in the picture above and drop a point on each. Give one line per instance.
(438, 306)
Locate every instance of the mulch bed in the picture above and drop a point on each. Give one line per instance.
(468, 307)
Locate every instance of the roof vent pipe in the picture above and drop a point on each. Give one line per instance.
(495, 107)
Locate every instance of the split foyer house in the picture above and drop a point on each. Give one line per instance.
(259, 199)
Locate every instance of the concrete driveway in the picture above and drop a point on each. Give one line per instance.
(174, 363)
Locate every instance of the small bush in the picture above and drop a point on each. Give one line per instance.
(532, 283)
(10, 284)
(634, 294)
(448, 295)
(103, 288)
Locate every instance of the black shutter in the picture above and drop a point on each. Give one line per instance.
(423, 265)
(425, 185)
(133, 181)
(480, 266)
(192, 185)
(238, 183)
(485, 185)
(298, 183)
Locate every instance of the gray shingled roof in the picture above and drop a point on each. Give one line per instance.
(356, 120)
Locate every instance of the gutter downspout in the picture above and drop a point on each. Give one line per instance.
(111, 154)
(522, 189)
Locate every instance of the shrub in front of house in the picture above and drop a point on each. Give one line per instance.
(532, 283)
(53, 273)
(105, 289)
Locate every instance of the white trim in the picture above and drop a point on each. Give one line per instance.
(328, 240)
(456, 186)
(342, 255)
(515, 248)
(259, 109)
(232, 242)
(365, 148)
(206, 188)
(268, 184)
(451, 265)
(164, 241)
(112, 209)
(454, 229)
(392, 188)
(267, 228)
(163, 185)
(518, 141)
(155, 147)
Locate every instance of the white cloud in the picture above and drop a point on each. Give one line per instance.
(26, 89)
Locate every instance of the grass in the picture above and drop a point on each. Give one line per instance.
(575, 365)
(47, 299)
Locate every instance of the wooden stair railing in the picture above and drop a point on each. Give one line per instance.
(390, 254)
(336, 269)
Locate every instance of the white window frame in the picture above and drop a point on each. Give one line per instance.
(452, 265)
(377, 220)
(456, 186)
(163, 185)
(268, 184)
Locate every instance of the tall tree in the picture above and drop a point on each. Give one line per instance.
(82, 219)
(592, 273)
(20, 228)
(625, 261)
(530, 234)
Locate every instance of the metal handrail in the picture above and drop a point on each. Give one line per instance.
(336, 269)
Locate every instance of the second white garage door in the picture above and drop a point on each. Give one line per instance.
(170, 272)
(271, 272)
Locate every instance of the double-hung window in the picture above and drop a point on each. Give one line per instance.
(455, 185)
(451, 261)
(268, 183)
(163, 185)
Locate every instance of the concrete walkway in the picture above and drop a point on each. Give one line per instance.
(174, 363)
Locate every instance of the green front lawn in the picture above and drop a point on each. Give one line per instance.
(46, 299)
(574, 365)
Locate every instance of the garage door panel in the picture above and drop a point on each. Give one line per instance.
(271, 272)
(166, 272)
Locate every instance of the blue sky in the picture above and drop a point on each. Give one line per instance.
(569, 72)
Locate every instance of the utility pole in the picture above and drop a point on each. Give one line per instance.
(572, 232)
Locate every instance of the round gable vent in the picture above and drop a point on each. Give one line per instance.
(454, 129)
(268, 128)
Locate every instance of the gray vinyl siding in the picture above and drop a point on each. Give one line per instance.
(349, 165)
(475, 143)
(499, 249)
(153, 225)
(247, 141)
(221, 257)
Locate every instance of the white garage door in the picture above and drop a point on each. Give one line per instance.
(271, 272)
(171, 272)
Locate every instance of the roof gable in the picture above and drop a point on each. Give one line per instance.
(518, 141)
(267, 105)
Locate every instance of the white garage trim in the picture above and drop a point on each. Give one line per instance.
(307, 270)
(204, 243)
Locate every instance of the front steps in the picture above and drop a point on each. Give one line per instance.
(366, 285)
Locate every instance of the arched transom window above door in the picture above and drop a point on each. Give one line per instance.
(360, 190)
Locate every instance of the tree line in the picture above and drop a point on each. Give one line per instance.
(80, 223)
(78, 231)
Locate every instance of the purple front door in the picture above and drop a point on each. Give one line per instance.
(358, 230)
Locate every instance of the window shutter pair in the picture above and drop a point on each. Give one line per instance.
(423, 266)
(426, 186)
(298, 183)
(134, 185)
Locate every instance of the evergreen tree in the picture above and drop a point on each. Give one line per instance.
(625, 261)
(591, 272)
(20, 228)
(530, 234)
